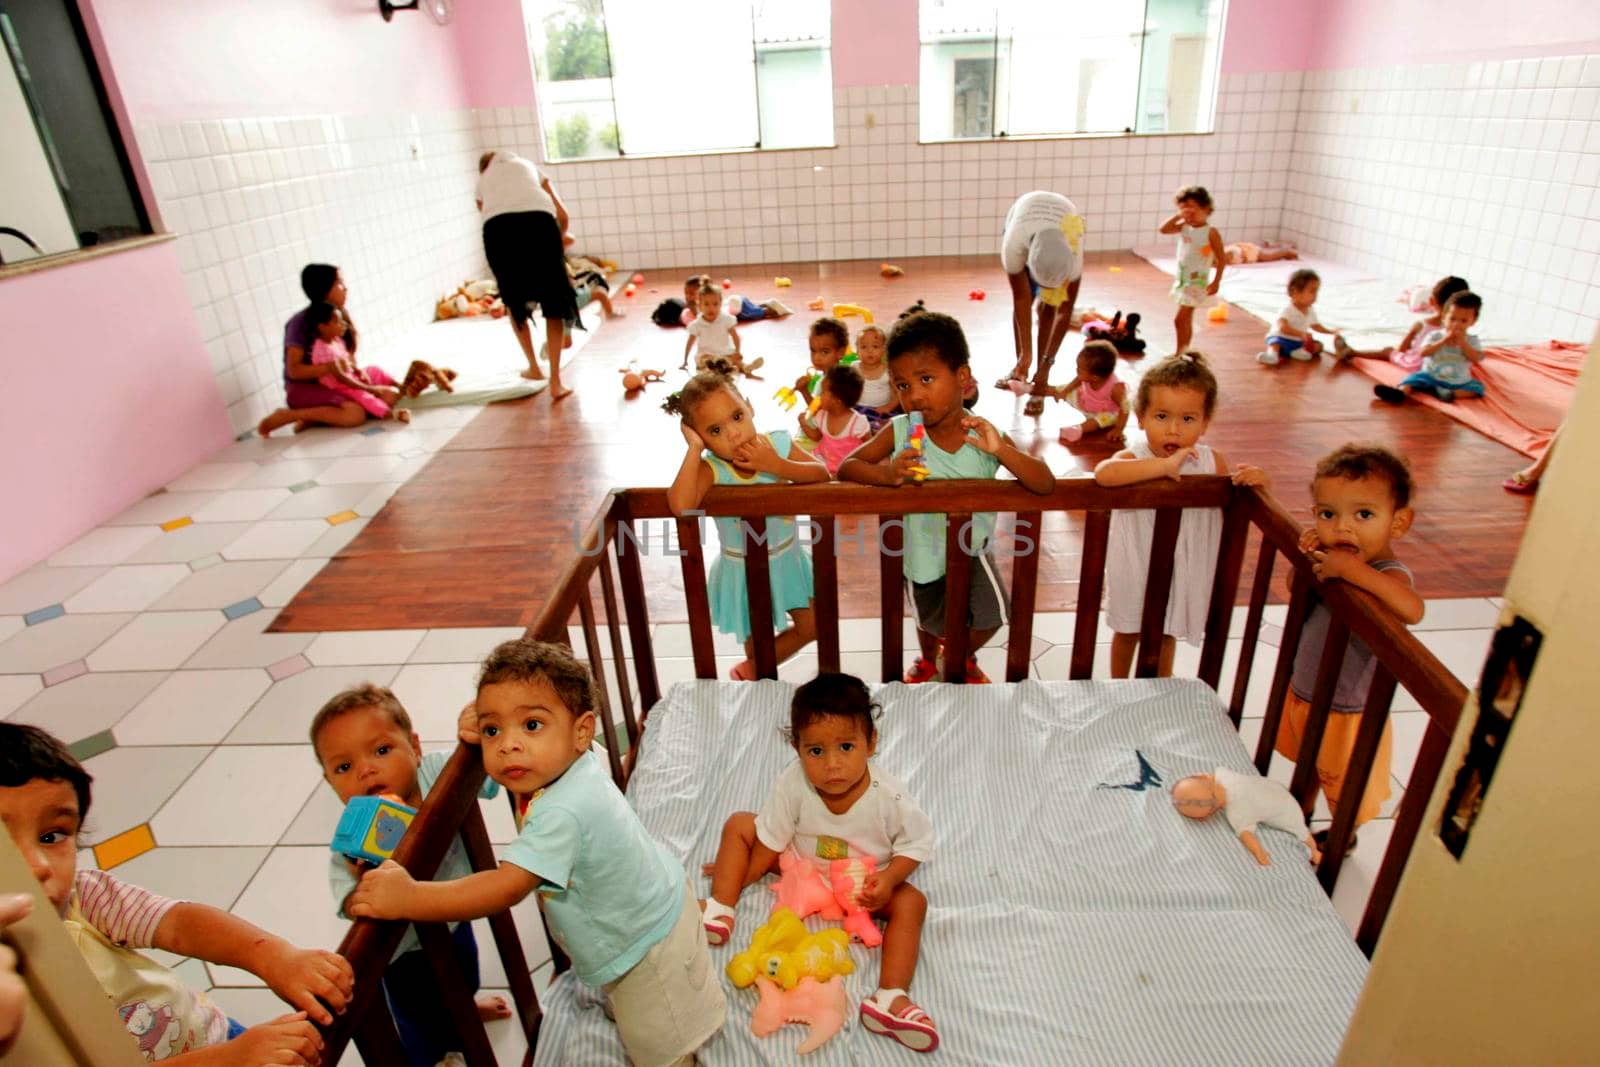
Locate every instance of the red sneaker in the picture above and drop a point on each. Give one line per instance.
(975, 675)
(922, 670)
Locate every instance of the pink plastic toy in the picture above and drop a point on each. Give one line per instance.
(849, 877)
(801, 889)
(819, 1005)
(637, 279)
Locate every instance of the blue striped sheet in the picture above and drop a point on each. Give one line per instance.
(1067, 924)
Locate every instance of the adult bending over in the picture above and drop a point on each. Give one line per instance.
(523, 224)
(310, 402)
(1041, 252)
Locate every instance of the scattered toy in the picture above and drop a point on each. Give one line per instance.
(976, 294)
(889, 270)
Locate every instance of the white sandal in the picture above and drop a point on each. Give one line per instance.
(912, 1027)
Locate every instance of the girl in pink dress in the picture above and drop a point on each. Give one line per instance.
(1096, 393)
(837, 428)
(344, 377)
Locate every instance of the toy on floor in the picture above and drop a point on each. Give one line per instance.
(634, 379)
(420, 375)
(1246, 801)
(1114, 270)
(845, 311)
(976, 294)
(470, 300)
(782, 282)
(1217, 313)
(784, 952)
(819, 1005)
(816, 305)
(637, 279)
(630, 290)
(787, 396)
(727, 283)
(848, 877)
(1122, 333)
(889, 270)
(914, 441)
(801, 888)
(371, 828)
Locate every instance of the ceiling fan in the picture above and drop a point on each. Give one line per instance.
(440, 10)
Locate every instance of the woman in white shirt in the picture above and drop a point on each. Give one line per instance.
(523, 226)
(1041, 252)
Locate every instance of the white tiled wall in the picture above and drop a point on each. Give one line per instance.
(1488, 170)
(387, 198)
(880, 194)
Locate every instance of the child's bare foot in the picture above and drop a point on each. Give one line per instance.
(278, 419)
(402, 415)
(558, 392)
(301, 426)
(533, 374)
(492, 1006)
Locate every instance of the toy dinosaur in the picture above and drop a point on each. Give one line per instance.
(819, 1005)
(848, 877)
(801, 889)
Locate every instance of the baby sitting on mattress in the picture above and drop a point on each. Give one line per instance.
(833, 804)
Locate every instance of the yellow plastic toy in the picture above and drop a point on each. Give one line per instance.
(782, 283)
(783, 952)
(845, 311)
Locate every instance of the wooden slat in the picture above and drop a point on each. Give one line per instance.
(891, 593)
(695, 600)
(1305, 782)
(1091, 582)
(1252, 631)
(508, 942)
(1419, 790)
(758, 586)
(1374, 717)
(608, 723)
(619, 657)
(1299, 605)
(458, 1002)
(633, 601)
(957, 598)
(1224, 588)
(1024, 587)
(825, 602)
(1157, 592)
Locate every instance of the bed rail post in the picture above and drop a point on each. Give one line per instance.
(694, 596)
(1374, 720)
(475, 838)
(1091, 583)
(1299, 604)
(375, 1036)
(1259, 588)
(1224, 586)
(1024, 590)
(632, 575)
(1304, 783)
(957, 595)
(891, 595)
(458, 1002)
(597, 668)
(825, 570)
(758, 584)
(1157, 591)
(1430, 760)
(618, 656)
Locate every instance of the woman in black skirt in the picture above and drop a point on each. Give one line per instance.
(523, 224)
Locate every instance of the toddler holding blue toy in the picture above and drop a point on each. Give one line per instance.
(726, 449)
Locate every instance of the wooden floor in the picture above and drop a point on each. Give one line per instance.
(478, 536)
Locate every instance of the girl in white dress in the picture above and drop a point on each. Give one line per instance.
(1200, 252)
(1174, 405)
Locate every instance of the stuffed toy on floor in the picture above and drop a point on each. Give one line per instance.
(420, 375)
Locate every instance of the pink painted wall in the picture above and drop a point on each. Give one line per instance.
(109, 396)
(492, 42)
(1370, 33)
(875, 42)
(1261, 35)
(200, 59)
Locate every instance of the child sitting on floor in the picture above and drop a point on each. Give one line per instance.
(714, 331)
(726, 449)
(1406, 354)
(1199, 253)
(366, 745)
(833, 804)
(1448, 354)
(1174, 405)
(615, 901)
(1291, 332)
(344, 376)
(741, 308)
(838, 428)
(1361, 503)
(44, 798)
(929, 361)
(877, 401)
(1096, 393)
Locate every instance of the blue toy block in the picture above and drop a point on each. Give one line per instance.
(371, 828)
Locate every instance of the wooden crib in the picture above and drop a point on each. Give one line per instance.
(609, 556)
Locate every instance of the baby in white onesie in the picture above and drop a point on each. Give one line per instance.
(1246, 801)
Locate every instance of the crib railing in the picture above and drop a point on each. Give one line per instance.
(609, 558)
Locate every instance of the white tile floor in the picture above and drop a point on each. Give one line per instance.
(142, 644)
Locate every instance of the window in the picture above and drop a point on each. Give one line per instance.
(641, 77)
(1019, 68)
(65, 182)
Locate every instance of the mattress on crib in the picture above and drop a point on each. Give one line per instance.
(1073, 915)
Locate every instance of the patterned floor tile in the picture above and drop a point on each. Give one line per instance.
(283, 714)
(374, 501)
(241, 609)
(64, 673)
(288, 895)
(213, 875)
(62, 640)
(285, 474)
(321, 501)
(336, 539)
(239, 795)
(213, 476)
(315, 823)
(282, 589)
(467, 645)
(363, 469)
(320, 444)
(434, 694)
(130, 844)
(156, 640)
(363, 646)
(38, 586)
(172, 525)
(127, 588)
(105, 546)
(44, 614)
(192, 707)
(86, 748)
(242, 643)
(288, 668)
(88, 703)
(241, 505)
(131, 785)
(218, 586)
(275, 540)
(190, 543)
(16, 690)
(161, 507)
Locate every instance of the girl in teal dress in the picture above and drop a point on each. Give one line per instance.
(726, 449)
